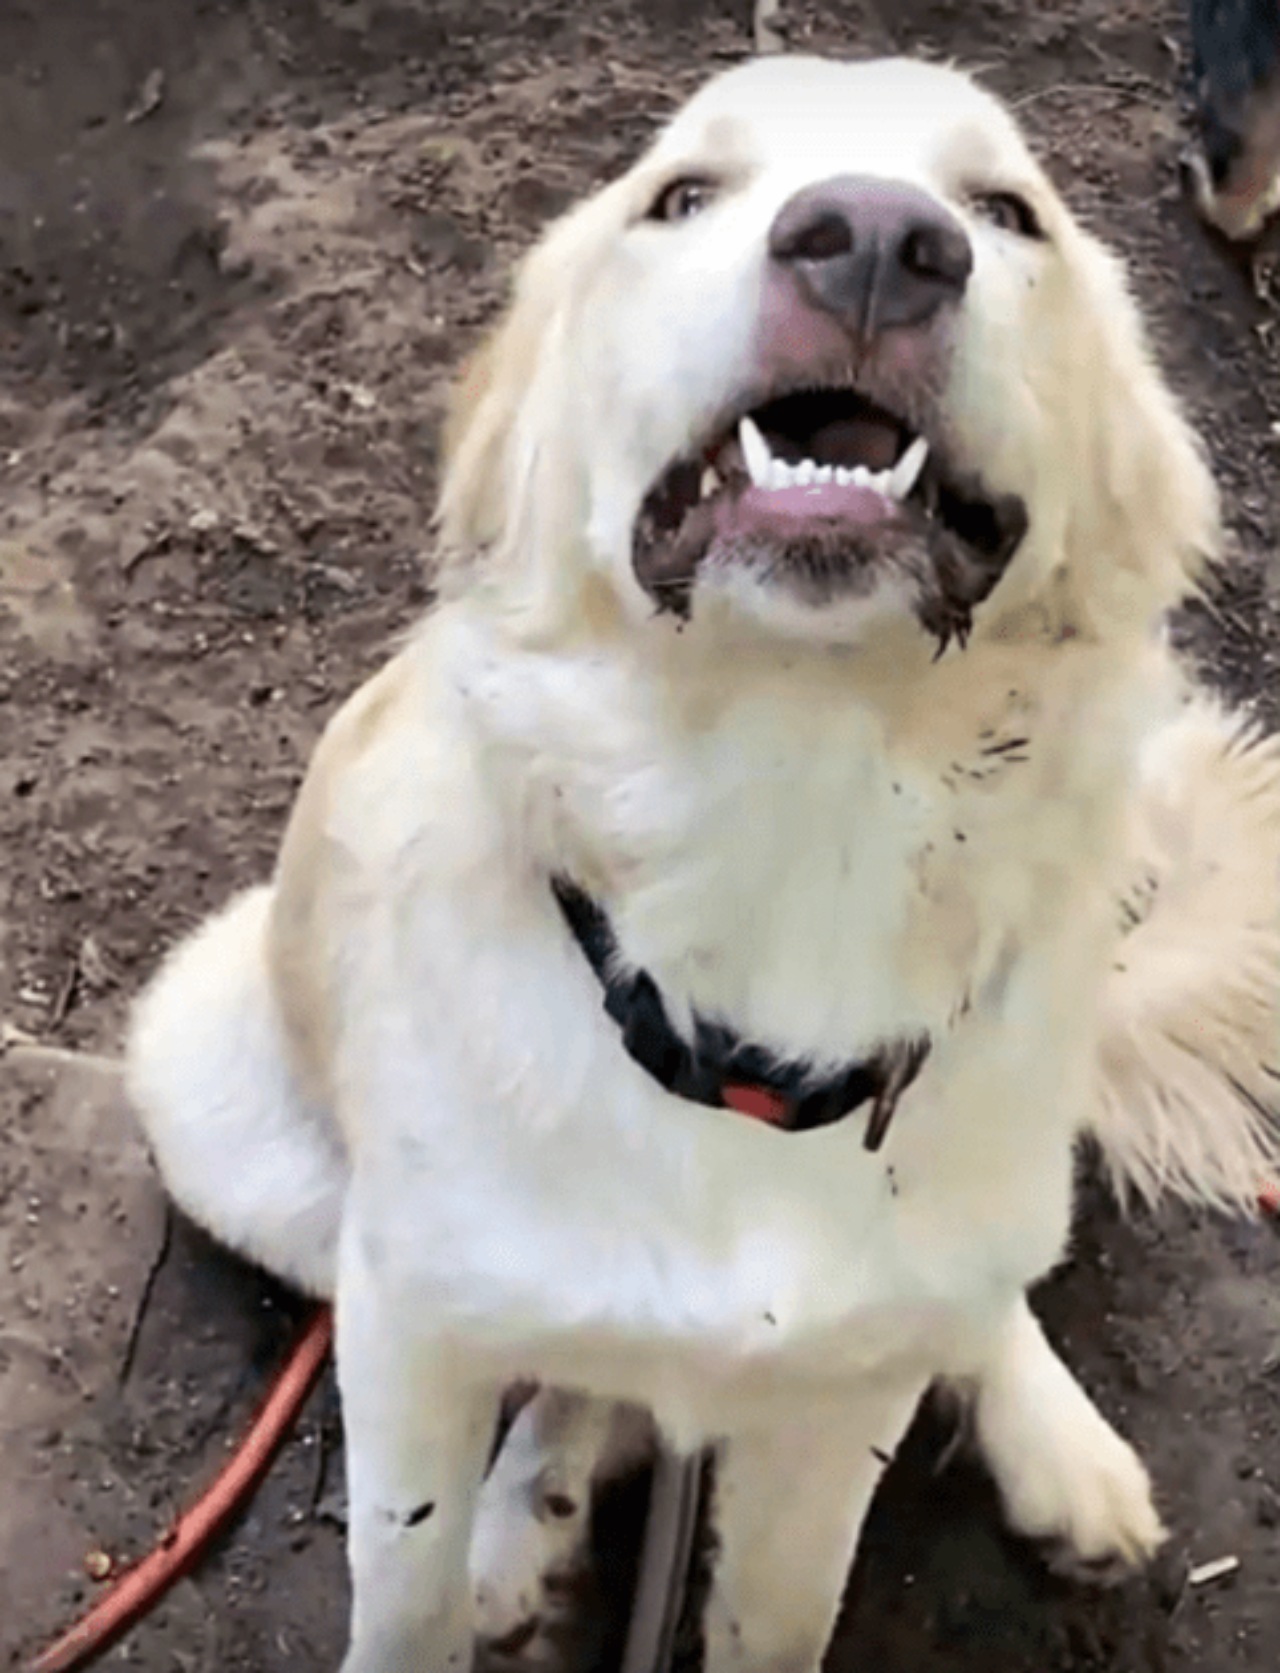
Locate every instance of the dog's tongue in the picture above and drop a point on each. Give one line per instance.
(827, 501)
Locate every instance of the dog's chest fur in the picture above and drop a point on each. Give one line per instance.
(822, 868)
(821, 858)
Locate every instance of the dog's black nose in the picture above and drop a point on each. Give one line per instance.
(876, 253)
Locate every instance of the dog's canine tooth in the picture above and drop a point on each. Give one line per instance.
(710, 482)
(755, 450)
(906, 473)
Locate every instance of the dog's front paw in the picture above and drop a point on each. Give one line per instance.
(1096, 1516)
(1065, 1477)
(1084, 1494)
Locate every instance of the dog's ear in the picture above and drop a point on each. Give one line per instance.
(1142, 537)
(507, 493)
(477, 499)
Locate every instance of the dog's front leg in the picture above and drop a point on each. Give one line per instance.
(1065, 1476)
(789, 1502)
(418, 1429)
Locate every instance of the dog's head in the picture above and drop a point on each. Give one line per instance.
(833, 351)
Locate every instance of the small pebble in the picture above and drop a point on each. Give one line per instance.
(98, 1565)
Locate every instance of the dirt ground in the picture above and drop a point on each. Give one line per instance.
(241, 244)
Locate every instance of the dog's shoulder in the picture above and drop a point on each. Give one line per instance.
(385, 779)
(372, 779)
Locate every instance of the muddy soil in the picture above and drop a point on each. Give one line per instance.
(242, 242)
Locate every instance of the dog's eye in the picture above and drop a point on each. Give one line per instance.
(1009, 212)
(682, 199)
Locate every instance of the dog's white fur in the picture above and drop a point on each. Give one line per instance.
(388, 1075)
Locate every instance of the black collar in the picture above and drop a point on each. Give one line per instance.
(719, 1068)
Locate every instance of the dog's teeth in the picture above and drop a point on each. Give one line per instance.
(755, 450)
(710, 482)
(906, 473)
(766, 471)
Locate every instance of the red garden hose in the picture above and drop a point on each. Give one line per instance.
(140, 1587)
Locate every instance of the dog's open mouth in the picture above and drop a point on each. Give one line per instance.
(829, 490)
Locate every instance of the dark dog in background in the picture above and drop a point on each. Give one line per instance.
(1235, 164)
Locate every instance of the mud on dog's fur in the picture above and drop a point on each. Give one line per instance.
(845, 759)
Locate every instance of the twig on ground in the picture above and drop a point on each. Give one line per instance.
(144, 1299)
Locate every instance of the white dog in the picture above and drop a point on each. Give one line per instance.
(800, 695)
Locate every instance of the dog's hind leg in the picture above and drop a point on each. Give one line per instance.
(239, 1147)
(530, 1546)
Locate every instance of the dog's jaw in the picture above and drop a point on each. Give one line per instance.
(829, 530)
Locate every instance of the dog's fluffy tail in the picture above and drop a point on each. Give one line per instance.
(239, 1147)
(1188, 1092)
